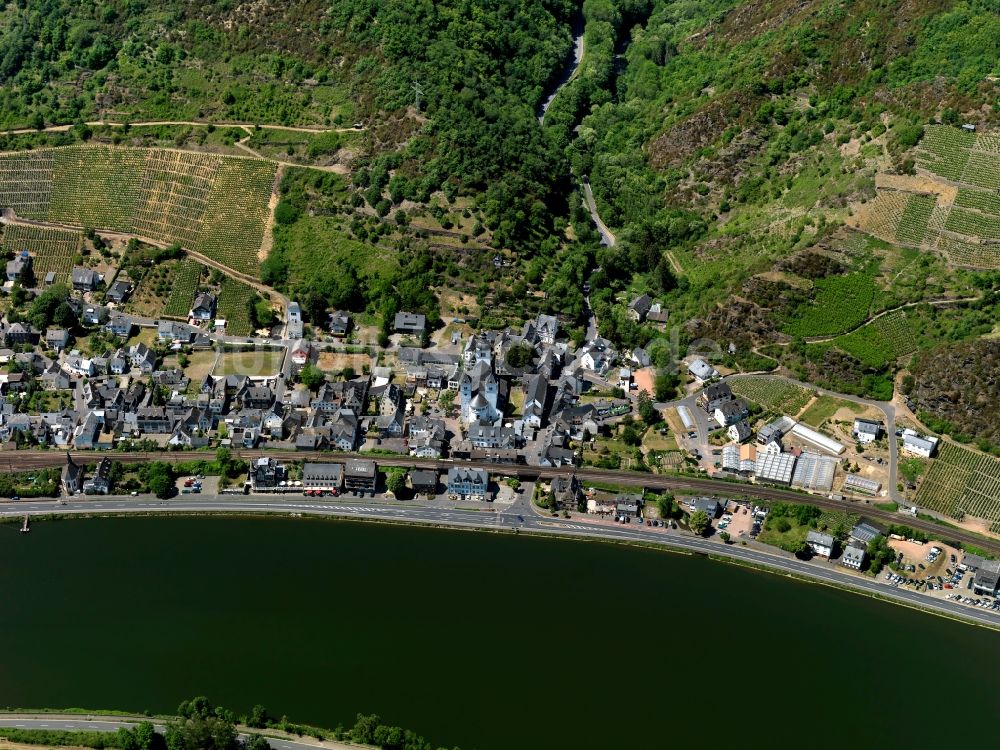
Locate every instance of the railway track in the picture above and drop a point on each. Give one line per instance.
(33, 460)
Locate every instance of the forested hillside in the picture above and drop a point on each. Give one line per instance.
(767, 167)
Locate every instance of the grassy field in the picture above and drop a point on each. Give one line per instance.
(771, 393)
(51, 249)
(200, 364)
(320, 242)
(255, 363)
(825, 407)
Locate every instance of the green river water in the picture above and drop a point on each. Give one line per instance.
(471, 639)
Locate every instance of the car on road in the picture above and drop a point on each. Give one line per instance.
(520, 519)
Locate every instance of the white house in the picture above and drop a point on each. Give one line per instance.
(866, 430)
(702, 371)
(821, 544)
(854, 557)
(919, 445)
(294, 321)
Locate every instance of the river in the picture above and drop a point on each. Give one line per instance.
(473, 639)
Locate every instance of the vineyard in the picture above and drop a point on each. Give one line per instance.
(236, 213)
(216, 205)
(841, 303)
(774, 394)
(184, 285)
(945, 150)
(972, 255)
(973, 224)
(51, 249)
(962, 482)
(235, 299)
(978, 200)
(25, 183)
(982, 170)
(881, 341)
(913, 222)
(957, 230)
(880, 217)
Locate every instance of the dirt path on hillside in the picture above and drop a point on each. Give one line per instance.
(268, 242)
(9, 217)
(192, 123)
(917, 184)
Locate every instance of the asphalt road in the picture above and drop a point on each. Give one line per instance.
(27, 460)
(518, 516)
(112, 724)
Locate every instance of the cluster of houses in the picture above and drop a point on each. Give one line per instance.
(124, 395)
(361, 477)
(765, 459)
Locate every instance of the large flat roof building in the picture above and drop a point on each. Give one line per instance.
(322, 476)
(360, 475)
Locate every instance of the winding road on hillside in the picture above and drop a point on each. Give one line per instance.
(607, 236)
(572, 67)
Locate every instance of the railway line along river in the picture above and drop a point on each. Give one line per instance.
(472, 639)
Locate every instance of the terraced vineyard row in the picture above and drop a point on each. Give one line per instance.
(982, 170)
(185, 284)
(26, 182)
(973, 224)
(913, 222)
(880, 217)
(962, 482)
(236, 213)
(986, 202)
(969, 254)
(52, 250)
(772, 393)
(217, 205)
(945, 150)
(881, 341)
(235, 299)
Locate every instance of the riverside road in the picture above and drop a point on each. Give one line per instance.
(28, 460)
(69, 723)
(519, 517)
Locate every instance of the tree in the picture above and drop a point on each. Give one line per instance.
(665, 385)
(258, 717)
(699, 522)
(363, 731)
(665, 505)
(647, 412)
(161, 486)
(519, 356)
(395, 481)
(311, 376)
(631, 436)
(256, 742)
(724, 536)
(146, 736)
